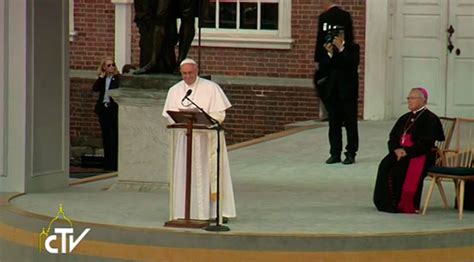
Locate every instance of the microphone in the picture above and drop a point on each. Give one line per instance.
(187, 94)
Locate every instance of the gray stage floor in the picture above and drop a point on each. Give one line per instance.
(281, 187)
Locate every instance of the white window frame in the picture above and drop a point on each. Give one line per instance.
(72, 32)
(248, 38)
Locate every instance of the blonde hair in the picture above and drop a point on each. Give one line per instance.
(102, 65)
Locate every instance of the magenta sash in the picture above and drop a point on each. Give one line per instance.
(412, 179)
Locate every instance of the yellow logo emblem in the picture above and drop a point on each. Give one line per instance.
(46, 238)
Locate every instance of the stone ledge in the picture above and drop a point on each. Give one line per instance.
(221, 79)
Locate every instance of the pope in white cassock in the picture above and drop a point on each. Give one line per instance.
(210, 97)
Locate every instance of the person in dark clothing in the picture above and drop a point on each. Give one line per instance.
(411, 146)
(337, 81)
(107, 110)
(333, 16)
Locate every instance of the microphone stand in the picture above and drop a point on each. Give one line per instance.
(216, 125)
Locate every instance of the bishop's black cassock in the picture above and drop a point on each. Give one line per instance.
(399, 183)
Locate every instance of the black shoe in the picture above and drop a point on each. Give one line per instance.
(349, 160)
(333, 159)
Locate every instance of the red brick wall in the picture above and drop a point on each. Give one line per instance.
(84, 125)
(94, 22)
(257, 110)
(296, 62)
(260, 110)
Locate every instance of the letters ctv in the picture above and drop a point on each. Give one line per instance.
(60, 239)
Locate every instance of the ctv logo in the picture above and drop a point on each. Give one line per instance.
(68, 240)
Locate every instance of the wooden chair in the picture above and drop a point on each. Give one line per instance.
(442, 149)
(448, 124)
(457, 165)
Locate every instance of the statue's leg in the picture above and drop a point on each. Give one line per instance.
(146, 42)
(161, 20)
(169, 55)
(186, 31)
(144, 14)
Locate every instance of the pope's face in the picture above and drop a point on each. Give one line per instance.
(189, 73)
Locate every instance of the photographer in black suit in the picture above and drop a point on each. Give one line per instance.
(327, 20)
(332, 16)
(336, 80)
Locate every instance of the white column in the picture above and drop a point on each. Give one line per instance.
(377, 58)
(34, 97)
(123, 34)
(14, 84)
(3, 22)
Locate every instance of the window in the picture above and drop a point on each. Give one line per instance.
(247, 24)
(243, 14)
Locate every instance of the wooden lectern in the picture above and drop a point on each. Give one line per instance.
(189, 120)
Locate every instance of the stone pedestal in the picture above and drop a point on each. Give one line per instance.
(144, 141)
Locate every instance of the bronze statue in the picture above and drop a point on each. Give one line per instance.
(158, 35)
(144, 20)
(187, 11)
(156, 21)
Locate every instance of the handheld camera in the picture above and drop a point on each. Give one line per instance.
(332, 32)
